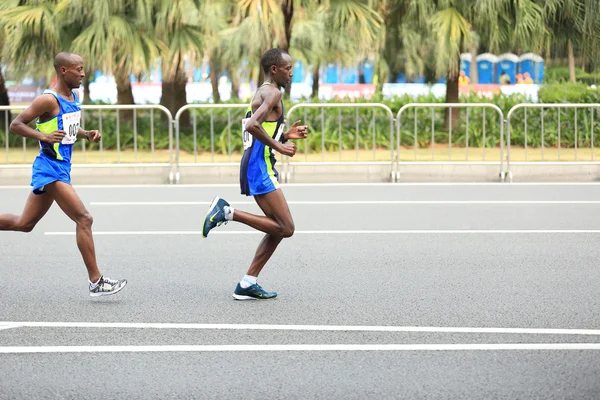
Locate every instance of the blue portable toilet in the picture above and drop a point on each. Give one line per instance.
(465, 63)
(539, 71)
(401, 78)
(298, 72)
(350, 75)
(331, 73)
(485, 68)
(197, 74)
(530, 62)
(367, 69)
(508, 63)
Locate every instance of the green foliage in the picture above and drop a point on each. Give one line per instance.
(365, 128)
(561, 74)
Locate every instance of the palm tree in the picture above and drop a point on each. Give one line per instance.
(4, 100)
(178, 25)
(113, 36)
(573, 25)
(501, 24)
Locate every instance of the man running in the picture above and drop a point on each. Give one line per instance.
(58, 116)
(262, 134)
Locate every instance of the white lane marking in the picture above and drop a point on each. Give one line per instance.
(300, 347)
(327, 328)
(343, 202)
(345, 232)
(10, 326)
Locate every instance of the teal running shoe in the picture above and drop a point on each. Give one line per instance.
(215, 215)
(254, 292)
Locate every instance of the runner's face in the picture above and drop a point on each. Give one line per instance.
(73, 74)
(284, 72)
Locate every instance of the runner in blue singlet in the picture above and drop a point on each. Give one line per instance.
(263, 133)
(58, 115)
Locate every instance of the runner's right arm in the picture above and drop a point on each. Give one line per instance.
(45, 104)
(254, 125)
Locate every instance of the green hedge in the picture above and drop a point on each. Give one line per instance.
(373, 124)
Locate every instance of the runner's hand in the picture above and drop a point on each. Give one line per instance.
(288, 149)
(94, 136)
(297, 132)
(54, 137)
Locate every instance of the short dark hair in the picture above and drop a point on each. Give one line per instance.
(64, 59)
(272, 57)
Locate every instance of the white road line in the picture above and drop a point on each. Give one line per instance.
(300, 347)
(2, 326)
(346, 232)
(342, 202)
(327, 328)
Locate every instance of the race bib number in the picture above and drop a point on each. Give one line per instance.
(71, 123)
(280, 132)
(246, 136)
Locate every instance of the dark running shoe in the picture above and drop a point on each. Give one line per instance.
(254, 292)
(215, 215)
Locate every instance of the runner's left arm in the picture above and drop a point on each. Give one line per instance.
(92, 136)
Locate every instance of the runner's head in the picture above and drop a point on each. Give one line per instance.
(69, 68)
(277, 66)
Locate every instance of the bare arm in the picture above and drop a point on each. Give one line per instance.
(254, 125)
(45, 104)
(92, 136)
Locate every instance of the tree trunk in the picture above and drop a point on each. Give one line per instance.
(474, 77)
(235, 83)
(261, 76)
(430, 75)
(572, 76)
(315, 85)
(287, 8)
(452, 97)
(173, 94)
(86, 88)
(4, 101)
(214, 78)
(124, 92)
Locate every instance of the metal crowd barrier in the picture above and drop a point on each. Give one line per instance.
(216, 138)
(432, 138)
(234, 123)
(372, 126)
(102, 118)
(546, 133)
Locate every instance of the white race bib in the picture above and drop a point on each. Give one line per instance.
(246, 136)
(279, 132)
(71, 123)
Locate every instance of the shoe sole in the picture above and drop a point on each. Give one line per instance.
(99, 294)
(212, 207)
(240, 297)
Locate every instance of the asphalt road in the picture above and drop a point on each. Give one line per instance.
(371, 271)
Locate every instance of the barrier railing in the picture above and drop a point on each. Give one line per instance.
(444, 125)
(122, 141)
(136, 134)
(7, 114)
(569, 140)
(228, 147)
(338, 145)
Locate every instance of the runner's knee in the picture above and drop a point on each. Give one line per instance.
(287, 230)
(85, 219)
(26, 226)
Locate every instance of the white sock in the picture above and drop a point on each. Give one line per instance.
(94, 284)
(229, 213)
(248, 281)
